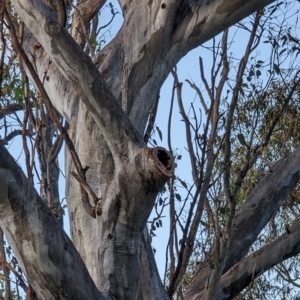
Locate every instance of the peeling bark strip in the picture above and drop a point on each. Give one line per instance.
(45, 253)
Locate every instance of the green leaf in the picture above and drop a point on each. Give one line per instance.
(159, 132)
(182, 182)
(160, 201)
(178, 197)
(18, 94)
(241, 139)
(224, 210)
(204, 224)
(282, 51)
(276, 68)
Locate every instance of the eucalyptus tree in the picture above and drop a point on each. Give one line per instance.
(247, 113)
(108, 98)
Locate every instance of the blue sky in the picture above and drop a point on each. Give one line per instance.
(188, 68)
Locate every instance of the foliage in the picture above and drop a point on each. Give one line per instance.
(264, 128)
(242, 120)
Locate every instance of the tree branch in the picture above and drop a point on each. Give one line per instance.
(10, 109)
(79, 69)
(53, 114)
(44, 251)
(255, 264)
(258, 209)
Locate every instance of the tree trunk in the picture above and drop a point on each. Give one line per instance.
(107, 102)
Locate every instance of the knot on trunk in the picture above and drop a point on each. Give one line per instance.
(163, 160)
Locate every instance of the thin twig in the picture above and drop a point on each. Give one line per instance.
(80, 176)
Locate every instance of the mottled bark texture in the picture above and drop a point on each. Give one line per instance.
(107, 102)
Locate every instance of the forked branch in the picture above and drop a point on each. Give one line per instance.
(86, 190)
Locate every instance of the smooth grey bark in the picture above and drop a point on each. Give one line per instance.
(250, 267)
(133, 66)
(257, 210)
(258, 262)
(150, 285)
(43, 249)
(259, 207)
(154, 38)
